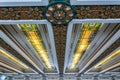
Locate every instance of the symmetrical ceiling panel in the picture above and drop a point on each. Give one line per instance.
(58, 40)
(92, 48)
(31, 44)
(89, 48)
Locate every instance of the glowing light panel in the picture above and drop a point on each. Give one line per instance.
(31, 31)
(85, 36)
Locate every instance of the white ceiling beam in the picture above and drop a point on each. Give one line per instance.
(95, 2)
(116, 20)
(53, 48)
(4, 3)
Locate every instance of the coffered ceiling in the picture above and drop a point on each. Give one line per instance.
(39, 48)
(87, 46)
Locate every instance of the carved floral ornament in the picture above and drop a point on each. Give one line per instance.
(59, 12)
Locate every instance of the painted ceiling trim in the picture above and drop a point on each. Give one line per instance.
(24, 3)
(95, 2)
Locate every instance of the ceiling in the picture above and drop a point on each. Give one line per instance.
(87, 50)
(33, 48)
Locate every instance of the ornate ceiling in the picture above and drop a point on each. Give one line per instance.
(82, 12)
(75, 48)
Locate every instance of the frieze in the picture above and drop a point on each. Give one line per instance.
(101, 12)
(36, 13)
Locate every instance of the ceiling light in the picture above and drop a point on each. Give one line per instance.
(13, 59)
(36, 41)
(73, 66)
(87, 31)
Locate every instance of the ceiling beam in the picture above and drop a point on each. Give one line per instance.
(23, 3)
(95, 2)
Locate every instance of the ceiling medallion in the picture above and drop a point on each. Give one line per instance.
(59, 12)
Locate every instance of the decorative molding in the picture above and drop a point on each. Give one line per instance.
(59, 12)
(21, 13)
(98, 12)
(82, 12)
